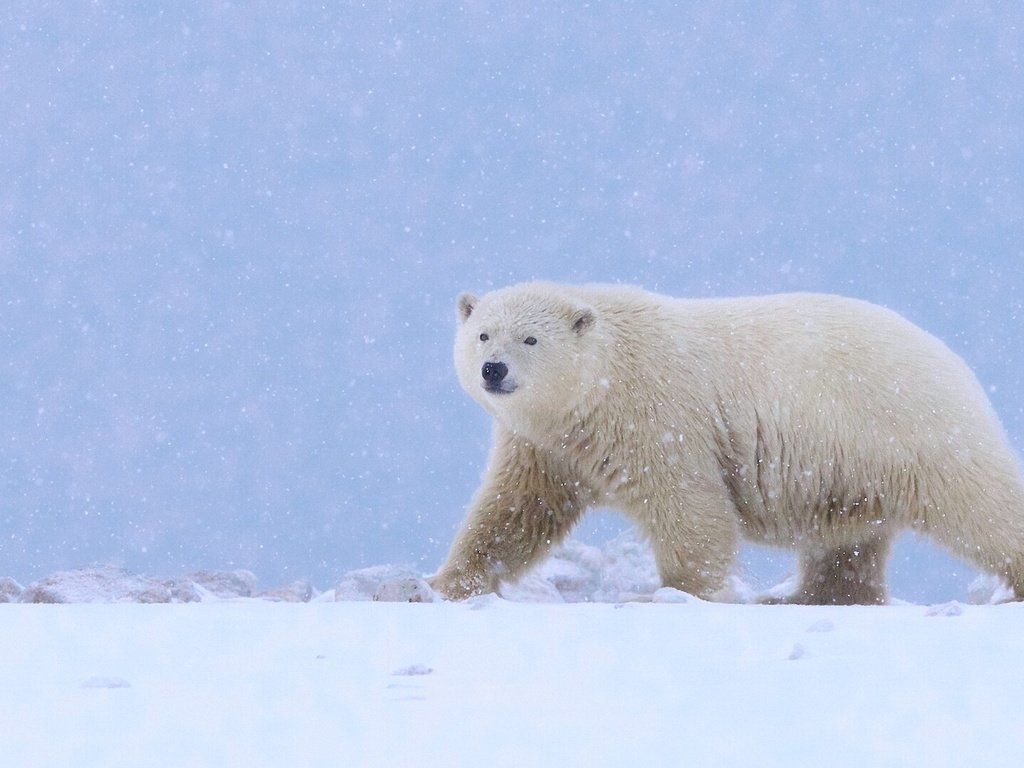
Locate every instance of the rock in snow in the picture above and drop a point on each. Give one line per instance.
(225, 584)
(411, 590)
(296, 592)
(103, 584)
(364, 583)
(109, 584)
(10, 590)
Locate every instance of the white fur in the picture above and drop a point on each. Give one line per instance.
(813, 422)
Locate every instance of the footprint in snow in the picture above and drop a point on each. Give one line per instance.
(798, 652)
(413, 670)
(412, 691)
(105, 682)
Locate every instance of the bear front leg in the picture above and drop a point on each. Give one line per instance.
(527, 504)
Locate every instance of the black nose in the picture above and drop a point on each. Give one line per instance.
(493, 373)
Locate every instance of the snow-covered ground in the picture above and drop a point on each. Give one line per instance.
(498, 683)
(636, 677)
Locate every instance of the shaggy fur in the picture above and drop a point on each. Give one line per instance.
(811, 422)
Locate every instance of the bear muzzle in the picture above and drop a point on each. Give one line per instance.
(495, 376)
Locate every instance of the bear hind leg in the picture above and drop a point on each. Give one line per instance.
(844, 575)
(695, 546)
(984, 524)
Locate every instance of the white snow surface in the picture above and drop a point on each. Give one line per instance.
(586, 662)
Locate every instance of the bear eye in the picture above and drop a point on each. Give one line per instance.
(530, 340)
(484, 337)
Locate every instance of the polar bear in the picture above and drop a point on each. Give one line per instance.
(812, 422)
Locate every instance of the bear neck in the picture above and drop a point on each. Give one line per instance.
(577, 437)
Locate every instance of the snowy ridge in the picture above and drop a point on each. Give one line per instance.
(109, 584)
(621, 570)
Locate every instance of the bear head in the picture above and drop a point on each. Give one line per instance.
(525, 353)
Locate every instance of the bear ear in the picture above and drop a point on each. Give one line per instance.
(465, 303)
(582, 320)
